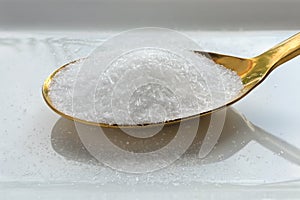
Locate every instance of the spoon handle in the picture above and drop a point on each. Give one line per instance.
(282, 52)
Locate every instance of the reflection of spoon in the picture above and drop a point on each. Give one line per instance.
(252, 72)
(238, 132)
(237, 129)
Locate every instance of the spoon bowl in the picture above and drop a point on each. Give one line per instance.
(252, 72)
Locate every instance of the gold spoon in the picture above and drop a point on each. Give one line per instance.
(251, 70)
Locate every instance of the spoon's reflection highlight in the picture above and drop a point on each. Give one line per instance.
(66, 142)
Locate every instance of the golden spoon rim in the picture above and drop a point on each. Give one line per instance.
(46, 97)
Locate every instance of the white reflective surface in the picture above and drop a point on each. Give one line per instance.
(39, 151)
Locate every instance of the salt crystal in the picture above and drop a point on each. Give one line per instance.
(147, 85)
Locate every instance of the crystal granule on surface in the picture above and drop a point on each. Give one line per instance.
(147, 85)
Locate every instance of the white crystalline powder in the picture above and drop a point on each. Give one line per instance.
(144, 86)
